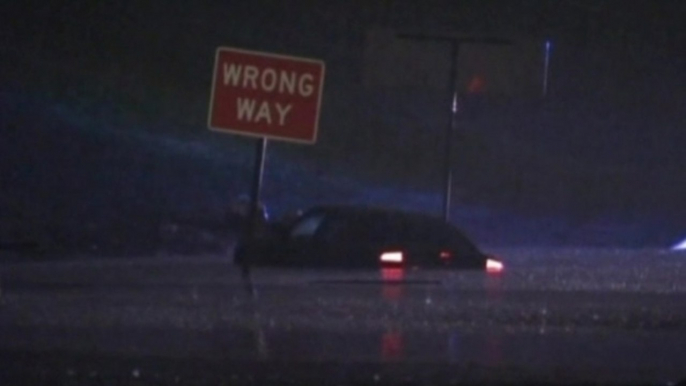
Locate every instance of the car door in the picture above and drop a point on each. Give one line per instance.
(343, 241)
(425, 241)
(302, 241)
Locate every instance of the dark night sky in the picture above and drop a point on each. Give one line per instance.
(626, 54)
(628, 39)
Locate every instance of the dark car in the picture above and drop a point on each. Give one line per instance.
(338, 236)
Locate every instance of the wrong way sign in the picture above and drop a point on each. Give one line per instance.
(266, 95)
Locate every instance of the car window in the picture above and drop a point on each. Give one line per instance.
(308, 226)
(336, 229)
(428, 232)
(461, 242)
(398, 229)
(381, 229)
(359, 228)
(423, 230)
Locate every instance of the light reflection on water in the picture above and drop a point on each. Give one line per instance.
(391, 344)
(518, 318)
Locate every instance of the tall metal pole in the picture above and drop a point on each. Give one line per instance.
(450, 130)
(256, 188)
(252, 221)
(455, 43)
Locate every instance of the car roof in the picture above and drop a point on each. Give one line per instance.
(375, 215)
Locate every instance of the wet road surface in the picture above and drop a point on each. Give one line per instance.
(553, 316)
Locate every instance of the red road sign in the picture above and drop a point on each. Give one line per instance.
(266, 95)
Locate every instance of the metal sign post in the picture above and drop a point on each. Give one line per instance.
(264, 95)
(252, 222)
(256, 187)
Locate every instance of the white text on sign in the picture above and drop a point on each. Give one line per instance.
(267, 95)
(269, 80)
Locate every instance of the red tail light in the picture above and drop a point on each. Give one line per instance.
(494, 266)
(394, 257)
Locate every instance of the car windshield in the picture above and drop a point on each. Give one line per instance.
(334, 192)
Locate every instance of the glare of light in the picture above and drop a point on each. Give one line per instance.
(392, 277)
(392, 274)
(546, 65)
(680, 247)
(445, 255)
(391, 257)
(494, 266)
(391, 346)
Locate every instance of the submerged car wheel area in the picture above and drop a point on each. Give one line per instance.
(354, 237)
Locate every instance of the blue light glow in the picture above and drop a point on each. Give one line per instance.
(680, 247)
